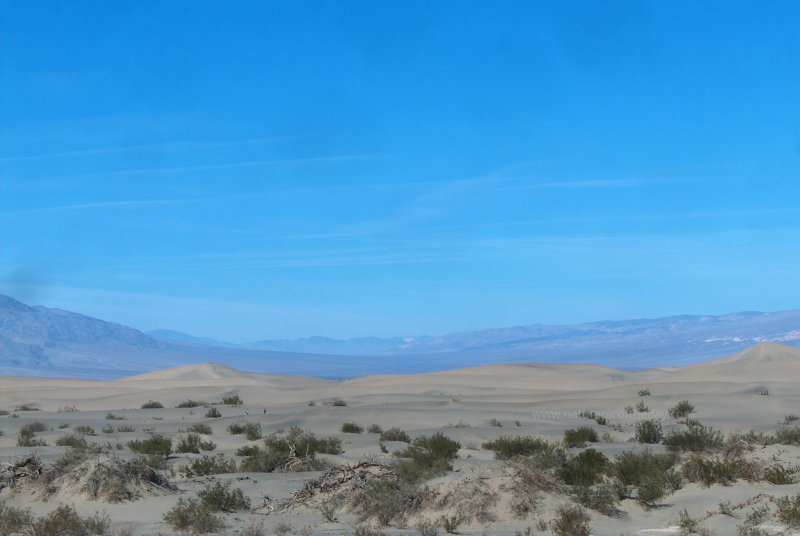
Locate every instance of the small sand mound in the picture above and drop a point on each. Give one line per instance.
(107, 478)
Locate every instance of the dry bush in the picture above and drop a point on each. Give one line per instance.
(648, 431)
(789, 511)
(351, 428)
(395, 434)
(208, 465)
(585, 469)
(528, 480)
(694, 438)
(788, 436)
(14, 519)
(152, 404)
(219, 497)
(475, 499)
(64, 520)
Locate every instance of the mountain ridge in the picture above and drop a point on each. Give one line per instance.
(36, 340)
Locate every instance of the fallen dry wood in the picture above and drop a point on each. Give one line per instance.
(25, 469)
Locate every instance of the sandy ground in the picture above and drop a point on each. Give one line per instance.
(537, 399)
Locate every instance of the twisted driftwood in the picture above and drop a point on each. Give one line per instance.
(24, 469)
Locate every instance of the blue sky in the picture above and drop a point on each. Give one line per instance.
(250, 170)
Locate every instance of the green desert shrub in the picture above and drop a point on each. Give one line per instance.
(508, 447)
(219, 497)
(152, 404)
(125, 429)
(83, 430)
(251, 430)
(633, 468)
(374, 429)
(788, 435)
(194, 443)
(14, 519)
(248, 450)
(648, 431)
(112, 417)
(208, 465)
(603, 498)
(723, 471)
(789, 511)
(779, 475)
(641, 407)
(279, 449)
(351, 428)
(232, 400)
(200, 428)
(570, 521)
(644, 392)
(26, 407)
(189, 515)
(75, 441)
(189, 403)
(681, 410)
(428, 457)
(213, 413)
(336, 402)
(108, 429)
(65, 520)
(390, 501)
(395, 434)
(585, 469)
(156, 445)
(579, 437)
(27, 435)
(693, 438)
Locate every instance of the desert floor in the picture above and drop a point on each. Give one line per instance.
(470, 406)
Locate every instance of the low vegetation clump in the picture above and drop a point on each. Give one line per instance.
(570, 521)
(395, 434)
(194, 443)
(390, 501)
(602, 498)
(789, 511)
(219, 497)
(251, 430)
(247, 450)
(293, 451)
(648, 431)
(77, 441)
(113, 417)
(374, 429)
(693, 438)
(200, 428)
(723, 471)
(26, 407)
(508, 447)
(27, 435)
(152, 404)
(494, 422)
(788, 419)
(125, 429)
(351, 428)
(681, 410)
(14, 519)
(66, 520)
(232, 400)
(644, 392)
(213, 413)
(641, 407)
(579, 437)
(156, 445)
(788, 436)
(190, 515)
(83, 430)
(778, 475)
(208, 465)
(335, 402)
(651, 475)
(428, 457)
(585, 469)
(189, 403)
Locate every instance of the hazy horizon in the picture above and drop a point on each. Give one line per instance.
(276, 171)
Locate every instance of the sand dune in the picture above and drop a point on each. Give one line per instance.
(470, 405)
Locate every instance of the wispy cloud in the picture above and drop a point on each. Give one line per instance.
(191, 144)
(230, 165)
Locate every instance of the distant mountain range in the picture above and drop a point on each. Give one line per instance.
(41, 341)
